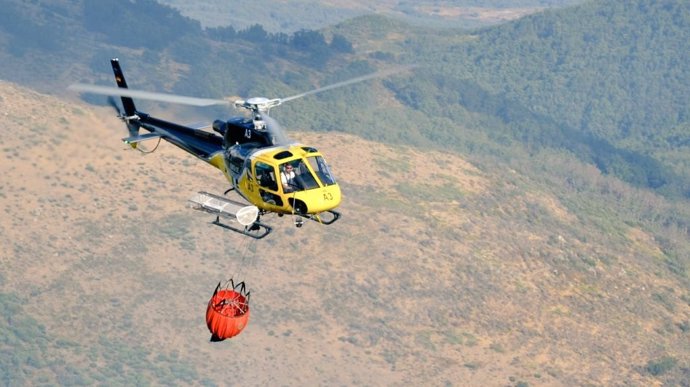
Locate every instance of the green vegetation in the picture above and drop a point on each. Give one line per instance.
(660, 366)
(160, 25)
(586, 80)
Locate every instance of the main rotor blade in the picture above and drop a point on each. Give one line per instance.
(161, 97)
(378, 74)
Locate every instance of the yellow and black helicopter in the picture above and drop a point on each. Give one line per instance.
(272, 173)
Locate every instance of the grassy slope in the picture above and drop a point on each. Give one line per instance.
(441, 270)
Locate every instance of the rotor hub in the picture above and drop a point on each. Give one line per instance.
(258, 104)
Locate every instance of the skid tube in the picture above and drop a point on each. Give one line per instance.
(256, 230)
(317, 218)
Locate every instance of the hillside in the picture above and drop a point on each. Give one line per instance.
(443, 270)
(294, 15)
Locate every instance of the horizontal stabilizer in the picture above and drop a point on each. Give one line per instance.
(218, 205)
(143, 137)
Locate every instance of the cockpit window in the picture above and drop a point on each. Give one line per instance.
(265, 176)
(282, 155)
(295, 176)
(309, 149)
(318, 164)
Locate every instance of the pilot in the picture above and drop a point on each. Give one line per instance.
(287, 177)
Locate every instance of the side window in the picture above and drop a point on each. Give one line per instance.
(235, 163)
(265, 175)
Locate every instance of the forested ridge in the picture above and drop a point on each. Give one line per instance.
(608, 81)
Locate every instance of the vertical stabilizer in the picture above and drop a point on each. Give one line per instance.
(127, 102)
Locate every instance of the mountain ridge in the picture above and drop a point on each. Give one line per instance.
(291, 16)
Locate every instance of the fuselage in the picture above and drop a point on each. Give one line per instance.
(256, 167)
(262, 165)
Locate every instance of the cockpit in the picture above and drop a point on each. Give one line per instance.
(305, 174)
(297, 176)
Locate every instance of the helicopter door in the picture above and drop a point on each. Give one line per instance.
(268, 185)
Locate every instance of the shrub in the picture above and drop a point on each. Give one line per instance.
(660, 366)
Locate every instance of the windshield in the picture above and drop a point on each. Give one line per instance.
(295, 176)
(318, 164)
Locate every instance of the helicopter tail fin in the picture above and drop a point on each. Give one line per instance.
(127, 102)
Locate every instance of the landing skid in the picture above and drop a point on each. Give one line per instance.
(330, 218)
(236, 212)
(257, 230)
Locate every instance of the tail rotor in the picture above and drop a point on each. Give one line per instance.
(132, 122)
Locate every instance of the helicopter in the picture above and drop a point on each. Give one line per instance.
(267, 170)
